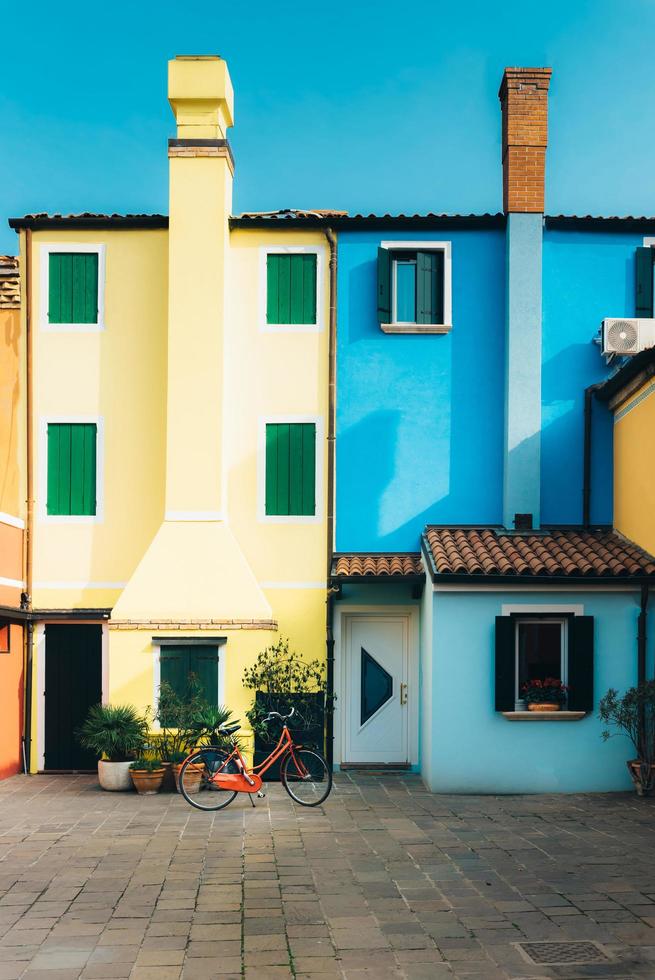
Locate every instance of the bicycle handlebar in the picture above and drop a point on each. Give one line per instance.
(276, 714)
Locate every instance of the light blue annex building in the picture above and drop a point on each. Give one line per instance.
(474, 549)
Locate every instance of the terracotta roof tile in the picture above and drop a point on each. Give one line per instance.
(543, 554)
(396, 564)
(9, 283)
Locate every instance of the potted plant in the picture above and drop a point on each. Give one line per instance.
(187, 720)
(633, 715)
(115, 732)
(282, 680)
(147, 775)
(547, 695)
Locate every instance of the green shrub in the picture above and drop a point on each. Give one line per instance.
(114, 732)
(149, 765)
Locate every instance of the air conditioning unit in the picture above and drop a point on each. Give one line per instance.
(625, 336)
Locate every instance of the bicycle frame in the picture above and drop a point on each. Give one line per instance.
(249, 779)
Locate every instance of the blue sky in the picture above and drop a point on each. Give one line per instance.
(366, 106)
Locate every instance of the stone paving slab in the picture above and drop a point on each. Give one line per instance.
(384, 880)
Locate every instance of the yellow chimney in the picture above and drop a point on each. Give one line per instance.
(201, 96)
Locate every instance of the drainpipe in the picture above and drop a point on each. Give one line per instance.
(586, 464)
(26, 599)
(331, 427)
(641, 655)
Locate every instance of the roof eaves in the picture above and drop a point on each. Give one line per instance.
(36, 222)
(621, 385)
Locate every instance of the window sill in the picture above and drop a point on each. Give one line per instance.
(543, 715)
(416, 327)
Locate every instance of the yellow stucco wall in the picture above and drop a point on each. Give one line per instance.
(11, 497)
(634, 468)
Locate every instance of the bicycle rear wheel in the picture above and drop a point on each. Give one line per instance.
(196, 783)
(306, 777)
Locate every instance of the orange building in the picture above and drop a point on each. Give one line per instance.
(12, 524)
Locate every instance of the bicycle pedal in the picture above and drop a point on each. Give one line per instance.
(260, 794)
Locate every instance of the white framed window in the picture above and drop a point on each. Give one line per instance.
(202, 656)
(415, 287)
(541, 650)
(74, 446)
(290, 469)
(72, 285)
(291, 288)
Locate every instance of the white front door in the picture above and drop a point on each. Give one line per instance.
(376, 706)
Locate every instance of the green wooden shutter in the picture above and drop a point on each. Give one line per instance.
(644, 268)
(291, 469)
(72, 468)
(581, 663)
(203, 662)
(384, 285)
(291, 288)
(73, 287)
(429, 287)
(174, 667)
(505, 664)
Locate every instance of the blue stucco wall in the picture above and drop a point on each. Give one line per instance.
(419, 418)
(473, 749)
(587, 275)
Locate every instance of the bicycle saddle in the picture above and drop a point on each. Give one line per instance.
(229, 727)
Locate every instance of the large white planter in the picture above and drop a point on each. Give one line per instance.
(114, 776)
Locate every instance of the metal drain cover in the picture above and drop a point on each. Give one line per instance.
(562, 954)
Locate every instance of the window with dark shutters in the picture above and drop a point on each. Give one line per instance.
(644, 284)
(291, 288)
(72, 450)
(178, 663)
(581, 664)
(410, 286)
(290, 469)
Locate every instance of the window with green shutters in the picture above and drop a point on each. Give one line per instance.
(291, 288)
(412, 287)
(72, 452)
(178, 663)
(73, 287)
(291, 469)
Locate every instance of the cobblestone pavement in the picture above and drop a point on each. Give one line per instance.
(386, 880)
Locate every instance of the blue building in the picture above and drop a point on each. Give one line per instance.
(473, 550)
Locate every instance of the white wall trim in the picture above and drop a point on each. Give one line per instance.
(262, 516)
(12, 583)
(293, 585)
(319, 252)
(536, 609)
(12, 521)
(194, 515)
(78, 585)
(42, 483)
(44, 261)
(446, 248)
(340, 638)
(649, 241)
(592, 586)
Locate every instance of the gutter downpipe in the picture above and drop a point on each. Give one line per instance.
(29, 523)
(641, 654)
(586, 456)
(331, 429)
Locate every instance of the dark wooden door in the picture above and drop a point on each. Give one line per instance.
(73, 682)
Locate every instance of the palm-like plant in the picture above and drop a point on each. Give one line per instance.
(113, 731)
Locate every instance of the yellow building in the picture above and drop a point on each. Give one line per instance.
(179, 381)
(629, 395)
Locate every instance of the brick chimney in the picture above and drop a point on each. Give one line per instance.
(524, 100)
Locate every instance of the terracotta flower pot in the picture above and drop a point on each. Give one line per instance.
(543, 706)
(643, 776)
(147, 782)
(193, 776)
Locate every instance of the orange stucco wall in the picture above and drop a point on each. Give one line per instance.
(11, 699)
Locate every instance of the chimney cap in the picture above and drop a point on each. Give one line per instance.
(198, 57)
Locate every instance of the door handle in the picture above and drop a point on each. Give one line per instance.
(403, 693)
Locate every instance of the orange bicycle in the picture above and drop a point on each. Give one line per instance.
(211, 777)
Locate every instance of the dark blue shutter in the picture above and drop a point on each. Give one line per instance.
(384, 285)
(581, 664)
(644, 281)
(505, 664)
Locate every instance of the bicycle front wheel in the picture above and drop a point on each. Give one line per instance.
(196, 784)
(306, 777)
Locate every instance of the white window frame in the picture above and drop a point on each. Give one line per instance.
(264, 252)
(45, 250)
(262, 516)
(44, 517)
(446, 248)
(184, 641)
(534, 617)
